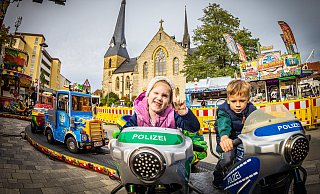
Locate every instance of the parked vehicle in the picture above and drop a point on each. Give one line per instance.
(71, 122)
(270, 151)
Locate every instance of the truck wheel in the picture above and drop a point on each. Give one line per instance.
(49, 135)
(72, 145)
(33, 127)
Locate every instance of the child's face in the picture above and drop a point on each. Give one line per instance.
(238, 103)
(159, 97)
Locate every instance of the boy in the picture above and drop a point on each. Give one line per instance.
(229, 124)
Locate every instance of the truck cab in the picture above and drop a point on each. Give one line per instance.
(71, 122)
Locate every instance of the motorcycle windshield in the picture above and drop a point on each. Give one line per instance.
(267, 115)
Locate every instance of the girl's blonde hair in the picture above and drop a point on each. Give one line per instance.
(238, 87)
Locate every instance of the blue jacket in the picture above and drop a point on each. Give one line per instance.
(230, 123)
(187, 122)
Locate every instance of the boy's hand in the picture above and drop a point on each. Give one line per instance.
(226, 143)
(180, 106)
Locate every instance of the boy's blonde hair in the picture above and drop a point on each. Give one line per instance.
(238, 87)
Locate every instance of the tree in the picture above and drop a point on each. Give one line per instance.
(5, 37)
(211, 57)
(111, 98)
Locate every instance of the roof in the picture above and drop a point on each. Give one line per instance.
(126, 66)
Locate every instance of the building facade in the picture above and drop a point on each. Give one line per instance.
(41, 65)
(163, 55)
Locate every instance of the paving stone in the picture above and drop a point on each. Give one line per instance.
(31, 191)
(32, 185)
(53, 190)
(21, 175)
(9, 191)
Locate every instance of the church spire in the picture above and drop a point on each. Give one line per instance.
(118, 41)
(186, 37)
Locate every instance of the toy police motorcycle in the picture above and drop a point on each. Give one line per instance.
(270, 151)
(153, 160)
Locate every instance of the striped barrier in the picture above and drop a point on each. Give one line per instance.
(307, 110)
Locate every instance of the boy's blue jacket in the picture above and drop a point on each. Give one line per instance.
(186, 122)
(230, 123)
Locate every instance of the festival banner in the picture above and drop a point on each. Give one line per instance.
(288, 47)
(231, 44)
(241, 53)
(287, 33)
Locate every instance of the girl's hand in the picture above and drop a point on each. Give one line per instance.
(226, 143)
(180, 106)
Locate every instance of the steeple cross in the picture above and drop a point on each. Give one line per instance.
(161, 21)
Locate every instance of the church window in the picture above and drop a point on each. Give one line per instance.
(145, 70)
(127, 83)
(110, 63)
(36, 40)
(160, 63)
(117, 83)
(176, 66)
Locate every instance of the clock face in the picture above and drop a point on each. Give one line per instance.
(112, 44)
(123, 45)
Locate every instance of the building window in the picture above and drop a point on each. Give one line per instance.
(145, 70)
(109, 73)
(36, 40)
(176, 66)
(33, 58)
(34, 50)
(127, 83)
(32, 67)
(110, 62)
(160, 63)
(117, 83)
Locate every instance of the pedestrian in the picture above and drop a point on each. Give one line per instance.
(156, 107)
(229, 124)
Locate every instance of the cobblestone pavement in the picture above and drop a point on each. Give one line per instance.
(23, 169)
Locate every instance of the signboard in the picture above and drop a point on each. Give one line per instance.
(249, 71)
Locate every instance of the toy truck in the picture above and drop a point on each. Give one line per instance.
(46, 100)
(71, 122)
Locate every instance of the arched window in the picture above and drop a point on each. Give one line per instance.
(110, 61)
(127, 83)
(117, 83)
(145, 70)
(175, 66)
(160, 63)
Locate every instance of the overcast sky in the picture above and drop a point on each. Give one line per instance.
(79, 32)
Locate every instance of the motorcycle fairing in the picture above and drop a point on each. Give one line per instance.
(278, 128)
(248, 169)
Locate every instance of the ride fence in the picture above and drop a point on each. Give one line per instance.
(307, 110)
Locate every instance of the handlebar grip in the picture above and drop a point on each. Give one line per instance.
(235, 143)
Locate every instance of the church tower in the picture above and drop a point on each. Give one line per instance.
(186, 36)
(117, 52)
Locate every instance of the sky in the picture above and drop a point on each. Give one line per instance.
(79, 32)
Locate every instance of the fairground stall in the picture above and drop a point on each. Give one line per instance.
(205, 92)
(275, 77)
(15, 84)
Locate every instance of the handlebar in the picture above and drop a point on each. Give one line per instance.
(235, 143)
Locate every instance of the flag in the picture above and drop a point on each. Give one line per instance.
(287, 33)
(241, 54)
(288, 47)
(231, 44)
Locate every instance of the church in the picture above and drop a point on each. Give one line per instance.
(163, 55)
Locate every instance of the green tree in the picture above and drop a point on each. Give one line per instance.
(211, 57)
(5, 37)
(111, 98)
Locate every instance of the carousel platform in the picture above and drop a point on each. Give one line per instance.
(9, 115)
(101, 161)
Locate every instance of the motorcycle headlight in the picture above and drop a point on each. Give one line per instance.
(296, 149)
(147, 164)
